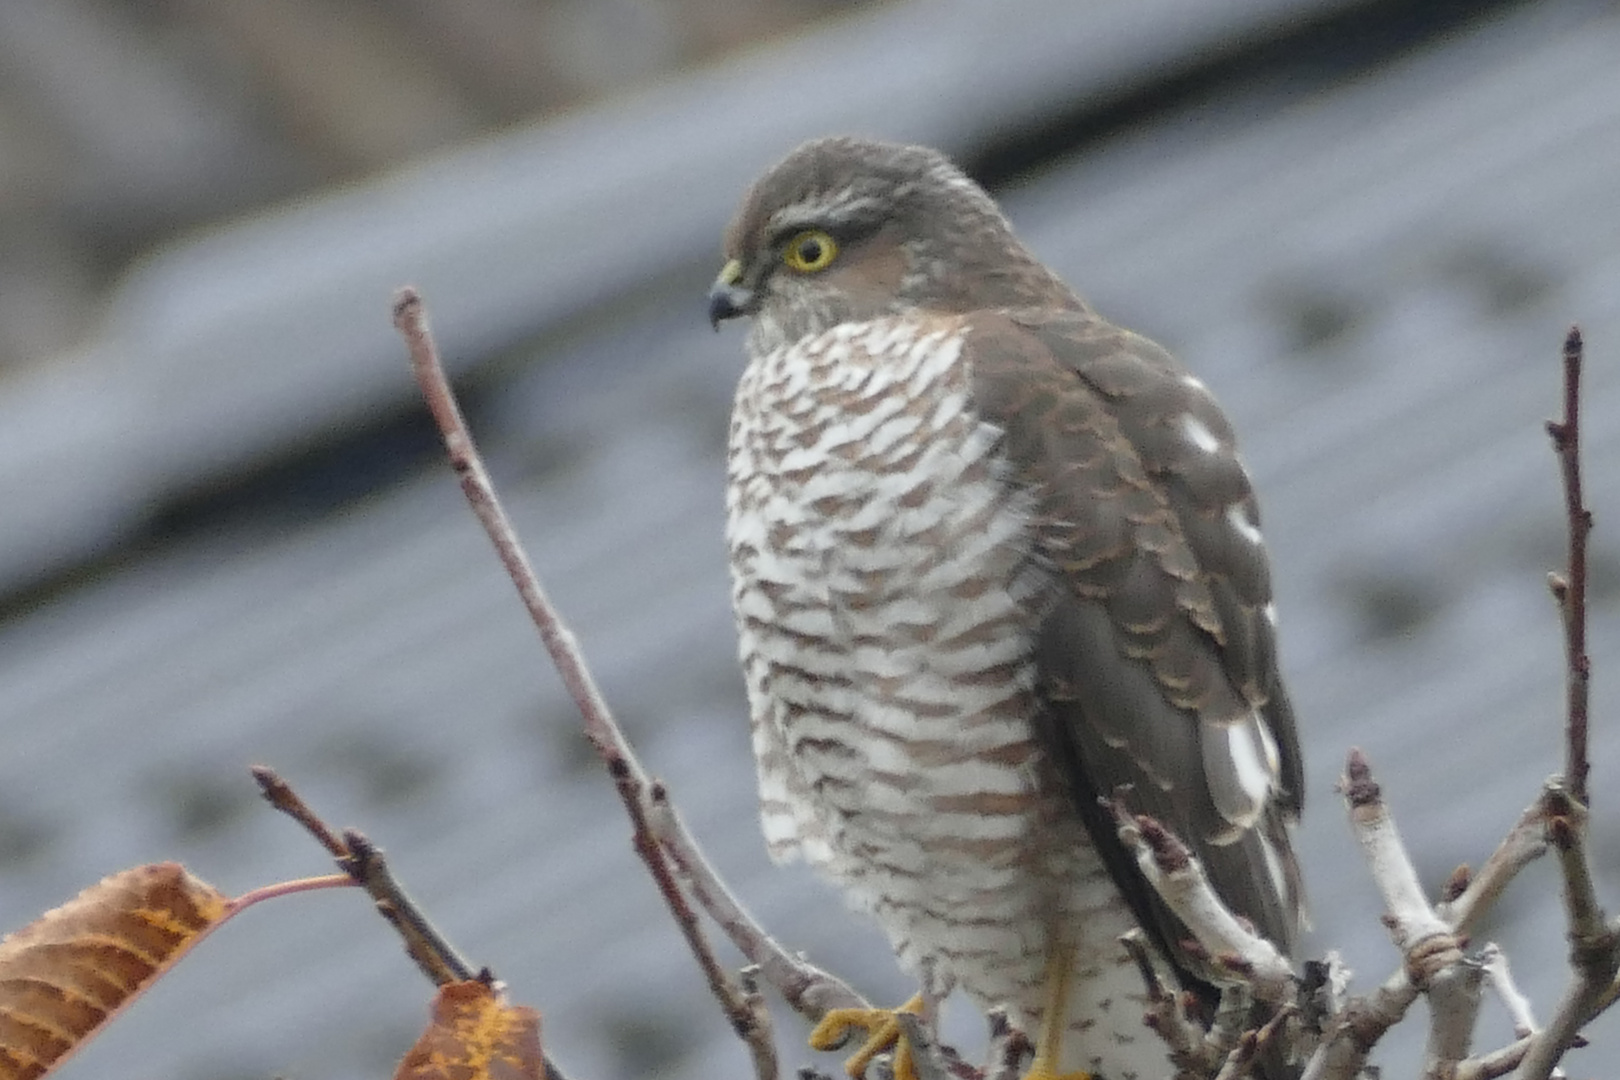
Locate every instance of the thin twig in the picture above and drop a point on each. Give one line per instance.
(1594, 942)
(363, 862)
(422, 938)
(279, 794)
(1570, 590)
(808, 990)
(1557, 819)
(630, 780)
(1164, 1015)
(1495, 963)
(365, 865)
(1566, 831)
(1525, 842)
(1246, 1054)
(763, 1045)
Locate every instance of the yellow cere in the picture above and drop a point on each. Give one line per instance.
(810, 251)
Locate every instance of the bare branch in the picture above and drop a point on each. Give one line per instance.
(1495, 963)
(1323, 999)
(1454, 1000)
(1594, 941)
(1496, 1063)
(279, 794)
(629, 778)
(1246, 1054)
(807, 989)
(1411, 921)
(1357, 1030)
(1570, 589)
(1165, 1016)
(761, 1040)
(1426, 943)
(1566, 823)
(1179, 879)
(1431, 953)
(426, 945)
(364, 863)
(1365, 1019)
(1524, 843)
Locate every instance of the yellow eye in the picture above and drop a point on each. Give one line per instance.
(810, 251)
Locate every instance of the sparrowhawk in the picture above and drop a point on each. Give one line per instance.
(993, 558)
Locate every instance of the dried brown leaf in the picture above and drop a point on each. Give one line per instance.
(474, 1035)
(63, 975)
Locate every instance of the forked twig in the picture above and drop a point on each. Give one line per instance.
(363, 861)
(365, 864)
(1594, 940)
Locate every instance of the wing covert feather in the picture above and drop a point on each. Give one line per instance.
(1157, 654)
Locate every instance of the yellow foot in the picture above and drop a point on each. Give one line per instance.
(1049, 1050)
(1039, 1071)
(882, 1033)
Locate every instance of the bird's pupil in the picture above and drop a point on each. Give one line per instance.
(810, 251)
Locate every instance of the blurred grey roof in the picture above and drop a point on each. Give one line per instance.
(1374, 275)
(217, 353)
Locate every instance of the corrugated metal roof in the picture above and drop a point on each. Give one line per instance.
(1375, 278)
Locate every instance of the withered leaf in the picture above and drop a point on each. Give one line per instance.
(63, 975)
(474, 1035)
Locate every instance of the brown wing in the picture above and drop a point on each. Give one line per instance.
(1157, 657)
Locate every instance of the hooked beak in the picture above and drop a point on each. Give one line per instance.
(727, 298)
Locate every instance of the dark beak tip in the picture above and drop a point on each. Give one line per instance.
(719, 311)
(723, 305)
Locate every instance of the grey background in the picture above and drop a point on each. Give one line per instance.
(228, 537)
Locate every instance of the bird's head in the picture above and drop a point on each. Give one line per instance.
(845, 229)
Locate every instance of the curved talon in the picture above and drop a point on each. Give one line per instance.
(882, 1033)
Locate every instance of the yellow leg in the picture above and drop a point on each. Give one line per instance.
(1049, 1048)
(882, 1033)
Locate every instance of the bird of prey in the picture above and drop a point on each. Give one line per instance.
(993, 558)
